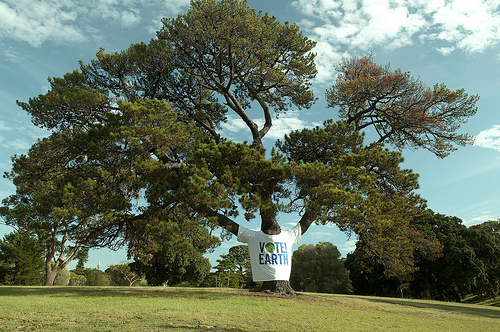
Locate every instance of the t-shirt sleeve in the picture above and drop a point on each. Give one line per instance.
(296, 234)
(243, 234)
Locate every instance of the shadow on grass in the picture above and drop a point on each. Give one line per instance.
(188, 327)
(136, 292)
(475, 310)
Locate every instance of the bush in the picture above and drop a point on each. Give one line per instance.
(97, 277)
(77, 280)
(62, 278)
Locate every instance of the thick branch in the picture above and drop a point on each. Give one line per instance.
(232, 102)
(306, 220)
(223, 221)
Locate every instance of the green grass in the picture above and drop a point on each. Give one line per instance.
(191, 309)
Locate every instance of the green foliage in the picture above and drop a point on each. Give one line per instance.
(235, 265)
(319, 269)
(122, 275)
(464, 264)
(83, 257)
(71, 102)
(62, 278)
(63, 195)
(368, 277)
(173, 263)
(244, 56)
(469, 262)
(485, 239)
(77, 279)
(21, 259)
(361, 189)
(96, 277)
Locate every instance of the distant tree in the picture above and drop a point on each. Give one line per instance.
(96, 277)
(83, 257)
(369, 277)
(236, 265)
(173, 266)
(319, 269)
(77, 279)
(452, 276)
(122, 274)
(21, 259)
(400, 109)
(485, 239)
(466, 264)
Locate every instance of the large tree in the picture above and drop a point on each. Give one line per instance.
(65, 197)
(147, 123)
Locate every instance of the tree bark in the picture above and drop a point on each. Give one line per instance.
(278, 287)
(50, 273)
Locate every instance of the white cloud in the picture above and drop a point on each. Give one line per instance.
(282, 125)
(235, 124)
(359, 25)
(4, 126)
(20, 145)
(489, 138)
(483, 217)
(18, 136)
(348, 247)
(37, 22)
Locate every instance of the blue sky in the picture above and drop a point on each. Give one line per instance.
(454, 42)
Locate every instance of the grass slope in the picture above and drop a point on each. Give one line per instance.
(190, 309)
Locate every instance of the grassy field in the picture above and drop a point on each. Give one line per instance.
(190, 309)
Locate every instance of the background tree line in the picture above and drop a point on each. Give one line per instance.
(468, 263)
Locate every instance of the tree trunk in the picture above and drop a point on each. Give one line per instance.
(278, 287)
(50, 274)
(270, 226)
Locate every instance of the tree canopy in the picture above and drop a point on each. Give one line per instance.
(401, 109)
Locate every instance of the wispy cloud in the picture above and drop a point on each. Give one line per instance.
(481, 218)
(18, 144)
(37, 22)
(18, 137)
(360, 25)
(348, 247)
(489, 138)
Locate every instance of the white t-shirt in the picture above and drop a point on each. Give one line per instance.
(270, 255)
